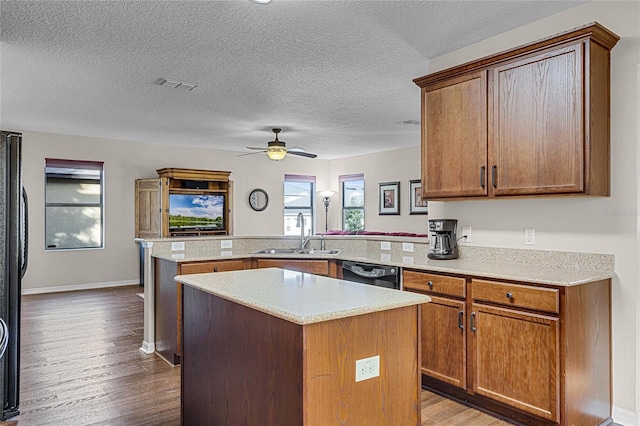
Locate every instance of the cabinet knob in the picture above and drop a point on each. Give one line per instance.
(430, 284)
(215, 269)
(509, 295)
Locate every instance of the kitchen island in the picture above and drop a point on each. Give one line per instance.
(274, 346)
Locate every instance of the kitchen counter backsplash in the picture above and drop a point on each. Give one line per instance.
(370, 247)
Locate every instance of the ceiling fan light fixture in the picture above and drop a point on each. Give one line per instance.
(276, 154)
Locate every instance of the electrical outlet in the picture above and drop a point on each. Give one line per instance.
(466, 233)
(226, 243)
(385, 245)
(407, 247)
(367, 368)
(177, 246)
(530, 236)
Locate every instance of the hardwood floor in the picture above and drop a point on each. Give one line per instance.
(81, 365)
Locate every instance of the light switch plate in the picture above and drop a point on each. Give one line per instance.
(226, 243)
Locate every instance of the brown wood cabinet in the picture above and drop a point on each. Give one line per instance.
(537, 354)
(442, 330)
(533, 120)
(168, 299)
(318, 267)
(153, 197)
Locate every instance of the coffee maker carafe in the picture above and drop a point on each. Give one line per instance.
(443, 242)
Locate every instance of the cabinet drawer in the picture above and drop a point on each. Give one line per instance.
(523, 296)
(318, 267)
(218, 266)
(432, 283)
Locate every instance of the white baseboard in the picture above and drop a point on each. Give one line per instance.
(148, 348)
(75, 287)
(624, 417)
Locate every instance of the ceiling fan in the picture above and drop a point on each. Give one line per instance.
(276, 149)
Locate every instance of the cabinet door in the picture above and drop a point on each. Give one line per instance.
(516, 357)
(148, 205)
(454, 138)
(318, 267)
(213, 266)
(537, 144)
(443, 341)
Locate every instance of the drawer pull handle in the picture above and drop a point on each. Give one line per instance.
(460, 320)
(430, 284)
(482, 169)
(509, 295)
(215, 269)
(472, 321)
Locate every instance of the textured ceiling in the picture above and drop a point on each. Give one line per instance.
(335, 75)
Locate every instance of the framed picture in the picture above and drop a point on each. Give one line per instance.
(416, 204)
(389, 198)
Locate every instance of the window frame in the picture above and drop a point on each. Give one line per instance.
(343, 179)
(311, 208)
(57, 163)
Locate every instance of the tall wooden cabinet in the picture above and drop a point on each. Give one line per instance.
(153, 201)
(533, 120)
(537, 354)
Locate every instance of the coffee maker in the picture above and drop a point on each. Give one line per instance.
(443, 242)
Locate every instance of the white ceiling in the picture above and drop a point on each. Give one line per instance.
(335, 75)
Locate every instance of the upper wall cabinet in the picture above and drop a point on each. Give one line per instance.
(530, 121)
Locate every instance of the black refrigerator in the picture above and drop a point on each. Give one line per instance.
(13, 264)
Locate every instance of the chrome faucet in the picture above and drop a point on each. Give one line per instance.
(300, 224)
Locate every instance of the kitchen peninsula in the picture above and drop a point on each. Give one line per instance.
(275, 346)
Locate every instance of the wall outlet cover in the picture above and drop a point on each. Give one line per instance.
(407, 247)
(466, 232)
(385, 245)
(530, 236)
(367, 368)
(226, 243)
(177, 246)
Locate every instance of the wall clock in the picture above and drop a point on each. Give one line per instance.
(258, 199)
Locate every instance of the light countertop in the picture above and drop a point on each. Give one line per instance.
(298, 297)
(505, 270)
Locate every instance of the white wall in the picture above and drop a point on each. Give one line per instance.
(603, 225)
(400, 165)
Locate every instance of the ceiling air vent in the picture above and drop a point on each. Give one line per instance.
(175, 84)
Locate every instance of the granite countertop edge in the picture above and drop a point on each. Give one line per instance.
(538, 274)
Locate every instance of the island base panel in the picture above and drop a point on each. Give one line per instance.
(242, 366)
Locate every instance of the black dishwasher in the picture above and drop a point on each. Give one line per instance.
(367, 273)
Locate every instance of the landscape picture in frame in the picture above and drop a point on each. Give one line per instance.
(417, 205)
(389, 198)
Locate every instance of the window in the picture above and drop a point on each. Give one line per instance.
(74, 204)
(352, 187)
(299, 197)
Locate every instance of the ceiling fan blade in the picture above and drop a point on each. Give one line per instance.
(255, 147)
(302, 153)
(251, 153)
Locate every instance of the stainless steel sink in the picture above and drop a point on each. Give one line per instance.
(310, 252)
(319, 252)
(277, 251)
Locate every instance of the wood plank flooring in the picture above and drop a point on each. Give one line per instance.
(81, 365)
